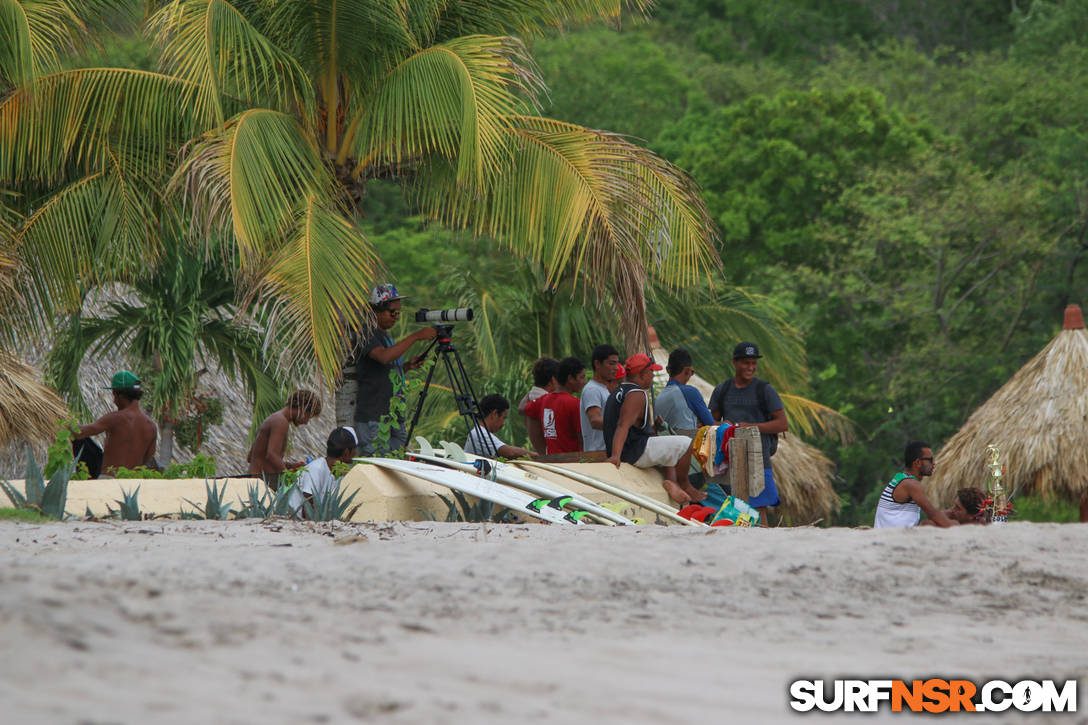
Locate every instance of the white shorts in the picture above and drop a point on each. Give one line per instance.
(663, 451)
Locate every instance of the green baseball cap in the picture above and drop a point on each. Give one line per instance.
(124, 380)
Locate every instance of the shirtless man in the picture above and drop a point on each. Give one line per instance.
(130, 434)
(266, 455)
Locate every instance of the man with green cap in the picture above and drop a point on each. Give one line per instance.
(130, 433)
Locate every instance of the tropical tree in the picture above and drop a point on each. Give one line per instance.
(265, 120)
(176, 320)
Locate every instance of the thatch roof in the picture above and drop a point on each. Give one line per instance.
(29, 411)
(802, 472)
(1038, 420)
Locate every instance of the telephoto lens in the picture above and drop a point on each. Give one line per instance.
(457, 314)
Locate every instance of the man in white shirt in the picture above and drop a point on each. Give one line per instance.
(605, 360)
(316, 480)
(482, 440)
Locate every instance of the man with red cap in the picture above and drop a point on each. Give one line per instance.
(629, 432)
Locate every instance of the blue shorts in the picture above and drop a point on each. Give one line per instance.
(769, 497)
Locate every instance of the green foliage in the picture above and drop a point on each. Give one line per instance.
(1044, 510)
(798, 32)
(203, 411)
(773, 168)
(621, 81)
(48, 499)
(202, 466)
(215, 507)
(21, 514)
(1045, 25)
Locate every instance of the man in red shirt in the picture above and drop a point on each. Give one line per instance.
(558, 412)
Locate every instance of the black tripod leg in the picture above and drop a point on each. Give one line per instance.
(422, 397)
(467, 403)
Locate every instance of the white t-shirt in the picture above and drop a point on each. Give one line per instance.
(476, 443)
(314, 479)
(594, 394)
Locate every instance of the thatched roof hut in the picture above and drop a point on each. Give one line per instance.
(802, 472)
(29, 411)
(1038, 420)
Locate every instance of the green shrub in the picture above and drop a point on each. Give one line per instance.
(1044, 510)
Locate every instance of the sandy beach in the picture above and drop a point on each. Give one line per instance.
(281, 622)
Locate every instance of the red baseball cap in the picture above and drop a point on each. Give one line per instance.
(638, 362)
(621, 372)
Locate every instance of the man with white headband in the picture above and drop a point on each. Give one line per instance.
(316, 479)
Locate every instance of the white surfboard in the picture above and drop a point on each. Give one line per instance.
(636, 498)
(511, 498)
(456, 458)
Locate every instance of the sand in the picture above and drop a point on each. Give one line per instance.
(288, 622)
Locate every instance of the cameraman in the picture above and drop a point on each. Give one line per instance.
(368, 368)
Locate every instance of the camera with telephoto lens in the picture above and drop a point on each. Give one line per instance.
(458, 314)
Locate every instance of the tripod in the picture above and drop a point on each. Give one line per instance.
(467, 405)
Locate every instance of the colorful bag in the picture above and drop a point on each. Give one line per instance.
(735, 512)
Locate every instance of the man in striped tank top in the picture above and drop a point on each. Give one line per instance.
(904, 499)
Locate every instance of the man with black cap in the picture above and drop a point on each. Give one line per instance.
(363, 398)
(130, 434)
(745, 400)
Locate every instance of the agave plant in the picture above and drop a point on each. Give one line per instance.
(265, 504)
(129, 506)
(215, 507)
(281, 112)
(331, 505)
(50, 498)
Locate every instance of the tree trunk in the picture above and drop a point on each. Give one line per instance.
(165, 449)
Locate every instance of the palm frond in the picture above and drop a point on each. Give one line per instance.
(211, 44)
(36, 36)
(454, 100)
(17, 62)
(579, 200)
(249, 178)
(70, 120)
(318, 283)
(29, 411)
(708, 323)
(809, 418)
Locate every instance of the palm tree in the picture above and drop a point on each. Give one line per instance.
(266, 119)
(177, 319)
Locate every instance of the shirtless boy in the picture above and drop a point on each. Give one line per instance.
(266, 455)
(130, 434)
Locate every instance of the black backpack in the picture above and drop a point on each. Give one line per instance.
(722, 391)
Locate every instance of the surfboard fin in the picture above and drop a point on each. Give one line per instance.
(454, 452)
(424, 446)
(576, 516)
(538, 504)
(561, 502)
